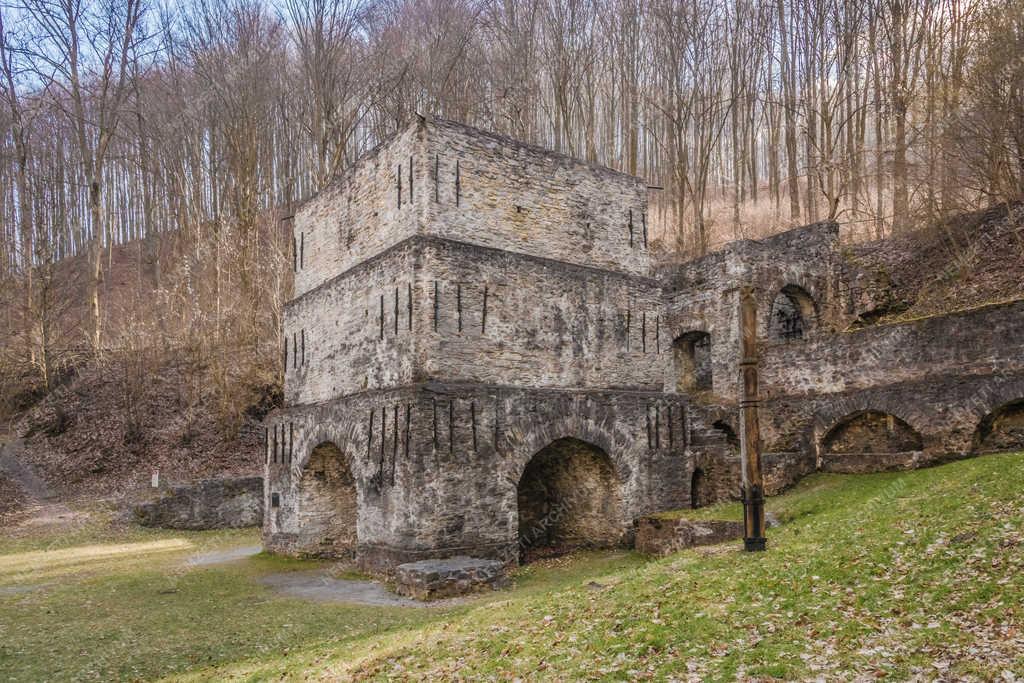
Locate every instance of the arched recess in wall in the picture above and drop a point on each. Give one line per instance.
(328, 503)
(569, 497)
(793, 314)
(1002, 429)
(691, 354)
(866, 441)
(699, 494)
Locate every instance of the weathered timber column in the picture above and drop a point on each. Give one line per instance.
(750, 428)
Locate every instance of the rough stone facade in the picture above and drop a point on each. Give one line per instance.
(481, 359)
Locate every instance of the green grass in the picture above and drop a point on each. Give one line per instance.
(889, 575)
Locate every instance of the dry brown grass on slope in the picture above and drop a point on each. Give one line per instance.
(85, 440)
(968, 261)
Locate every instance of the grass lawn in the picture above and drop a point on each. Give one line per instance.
(886, 576)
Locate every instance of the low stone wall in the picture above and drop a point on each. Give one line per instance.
(210, 504)
(659, 536)
(436, 579)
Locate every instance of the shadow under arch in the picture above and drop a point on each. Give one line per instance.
(1002, 429)
(569, 496)
(691, 355)
(794, 312)
(861, 442)
(328, 503)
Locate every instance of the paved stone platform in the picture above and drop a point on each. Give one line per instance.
(435, 579)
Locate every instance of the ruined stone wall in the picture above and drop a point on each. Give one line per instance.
(982, 341)
(704, 294)
(942, 376)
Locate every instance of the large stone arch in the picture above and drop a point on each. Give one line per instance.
(327, 502)
(526, 438)
(1002, 429)
(569, 496)
(869, 440)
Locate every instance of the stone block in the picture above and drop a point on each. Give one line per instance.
(434, 579)
(659, 536)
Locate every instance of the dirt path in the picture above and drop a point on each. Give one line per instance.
(42, 506)
(14, 468)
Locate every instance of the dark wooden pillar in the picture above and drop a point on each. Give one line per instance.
(750, 428)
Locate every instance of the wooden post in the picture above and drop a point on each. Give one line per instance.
(750, 429)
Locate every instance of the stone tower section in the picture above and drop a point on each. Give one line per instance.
(462, 302)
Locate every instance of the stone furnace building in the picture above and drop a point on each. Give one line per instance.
(481, 360)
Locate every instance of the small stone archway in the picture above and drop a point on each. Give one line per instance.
(328, 503)
(869, 441)
(793, 314)
(691, 354)
(569, 496)
(1002, 429)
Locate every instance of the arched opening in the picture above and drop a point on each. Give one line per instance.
(793, 313)
(568, 497)
(328, 503)
(861, 442)
(698, 490)
(1002, 429)
(692, 355)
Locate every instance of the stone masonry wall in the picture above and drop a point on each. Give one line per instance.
(503, 318)
(359, 215)
(529, 200)
(436, 468)
(703, 295)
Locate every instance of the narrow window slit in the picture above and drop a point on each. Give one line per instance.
(408, 302)
(647, 418)
(369, 437)
(458, 183)
(398, 176)
(433, 403)
(483, 316)
(458, 303)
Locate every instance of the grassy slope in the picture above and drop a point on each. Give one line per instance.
(876, 574)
